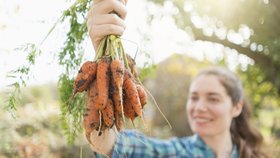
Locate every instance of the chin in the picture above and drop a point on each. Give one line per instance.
(201, 132)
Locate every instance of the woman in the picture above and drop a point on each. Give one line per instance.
(217, 114)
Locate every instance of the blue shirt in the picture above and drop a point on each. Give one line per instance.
(131, 144)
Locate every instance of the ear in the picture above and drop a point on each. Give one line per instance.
(236, 110)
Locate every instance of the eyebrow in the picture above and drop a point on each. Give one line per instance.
(209, 94)
(214, 94)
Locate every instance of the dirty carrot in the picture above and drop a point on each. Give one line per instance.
(108, 114)
(128, 109)
(132, 63)
(142, 95)
(91, 116)
(102, 79)
(117, 70)
(85, 76)
(118, 121)
(131, 93)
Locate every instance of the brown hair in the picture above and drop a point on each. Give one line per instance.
(247, 138)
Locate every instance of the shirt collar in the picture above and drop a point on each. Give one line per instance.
(197, 141)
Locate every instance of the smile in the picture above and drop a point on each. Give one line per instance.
(202, 120)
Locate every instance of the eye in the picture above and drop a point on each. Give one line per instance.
(193, 98)
(213, 99)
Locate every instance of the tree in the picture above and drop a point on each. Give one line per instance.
(223, 19)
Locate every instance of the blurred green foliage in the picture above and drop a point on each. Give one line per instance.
(36, 132)
(261, 93)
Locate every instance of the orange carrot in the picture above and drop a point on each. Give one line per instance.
(132, 63)
(117, 70)
(131, 93)
(142, 95)
(91, 116)
(85, 76)
(108, 114)
(118, 121)
(128, 109)
(102, 78)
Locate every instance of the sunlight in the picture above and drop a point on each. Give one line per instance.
(30, 21)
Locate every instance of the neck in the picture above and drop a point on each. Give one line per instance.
(221, 144)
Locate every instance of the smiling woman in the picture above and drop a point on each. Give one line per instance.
(217, 113)
(209, 107)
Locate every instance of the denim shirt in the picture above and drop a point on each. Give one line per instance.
(132, 144)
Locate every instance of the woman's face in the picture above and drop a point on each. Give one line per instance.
(209, 107)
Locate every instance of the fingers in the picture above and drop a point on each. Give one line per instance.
(123, 1)
(100, 31)
(108, 6)
(108, 19)
(105, 24)
(102, 22)
(106, 29)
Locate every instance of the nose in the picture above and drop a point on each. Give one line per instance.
(200, 105)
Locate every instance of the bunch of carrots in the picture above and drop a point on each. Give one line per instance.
(114, 91)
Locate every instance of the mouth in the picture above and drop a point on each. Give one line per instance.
(202, 120)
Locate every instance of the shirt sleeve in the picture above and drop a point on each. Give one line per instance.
(136, 145)
(133, 144)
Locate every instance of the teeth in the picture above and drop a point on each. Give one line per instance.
(202, 120)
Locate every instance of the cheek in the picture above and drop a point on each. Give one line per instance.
(222, 115)
(218, 111)
(189, 109)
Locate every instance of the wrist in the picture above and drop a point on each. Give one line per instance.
(104, 143)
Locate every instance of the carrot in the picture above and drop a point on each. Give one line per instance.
(132, 63)
(85, 76)
(102, 79)
(131, 93)
(118, 101)
(108, 114)
(142, 95)
(117, 70)
(91, 116)
(128, 109)
(118, 121)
